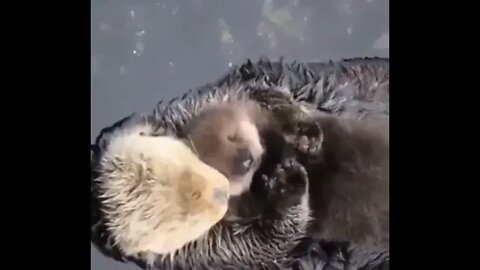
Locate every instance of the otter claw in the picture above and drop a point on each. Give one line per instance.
(309, 140)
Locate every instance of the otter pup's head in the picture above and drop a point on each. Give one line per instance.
(226, 137)
(155, 194)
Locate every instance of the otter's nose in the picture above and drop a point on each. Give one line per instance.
(243, 162)
(220, 195)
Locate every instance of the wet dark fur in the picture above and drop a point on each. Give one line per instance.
(355, 156)
(320, 254)
(349, 184)
(357, 88)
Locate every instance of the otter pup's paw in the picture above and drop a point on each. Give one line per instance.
(309, 137)
(288, 183)
(300, 130)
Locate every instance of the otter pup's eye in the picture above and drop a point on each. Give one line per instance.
(232, 138)
(243, 162)
(247, 164)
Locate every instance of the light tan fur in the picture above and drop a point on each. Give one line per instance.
(157, 195)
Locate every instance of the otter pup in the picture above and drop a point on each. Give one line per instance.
(349, 177)
(226, 137)
(348, 172)
(231, 137)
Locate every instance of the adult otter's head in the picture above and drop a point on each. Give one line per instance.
(155, 194)
(226, 137)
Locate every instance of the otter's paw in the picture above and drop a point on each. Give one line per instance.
(288, 183)
(309, 137)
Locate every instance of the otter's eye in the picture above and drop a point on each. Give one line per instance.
(243, 162)
(232, 138)
(247, 164)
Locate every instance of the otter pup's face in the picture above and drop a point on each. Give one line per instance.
(226, 138)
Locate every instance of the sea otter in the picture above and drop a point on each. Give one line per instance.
(330, 87)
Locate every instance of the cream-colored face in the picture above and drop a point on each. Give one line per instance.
(158, 195)
(201, 201)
